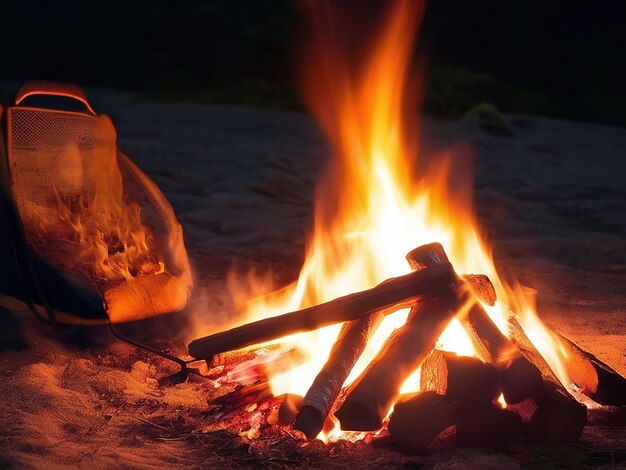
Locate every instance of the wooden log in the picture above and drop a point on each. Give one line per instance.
(392, 294)
(321, 396)
(254, 363)
(589, 375)
(520, 380)
(417, 419)
(593, 377)
(461, 379)
(559, 419)
(487, 426)
(373, 393)
(482, 288)
(348, 347)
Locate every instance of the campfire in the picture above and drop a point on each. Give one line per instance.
(382, 337)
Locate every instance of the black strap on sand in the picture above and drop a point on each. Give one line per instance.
(176, 378)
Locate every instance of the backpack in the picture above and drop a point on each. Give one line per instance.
(86, 237)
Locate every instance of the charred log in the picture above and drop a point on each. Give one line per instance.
(390, 295)
(461, 379)
(593, 377)
(520, 380)
(489, 343)
(559, 419)
(349, 345)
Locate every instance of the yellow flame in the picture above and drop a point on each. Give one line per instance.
(502, 402)
(379, 201)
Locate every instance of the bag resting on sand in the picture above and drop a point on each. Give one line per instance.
(86, 237)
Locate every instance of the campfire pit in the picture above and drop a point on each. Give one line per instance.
(480, 357)
(470, 393)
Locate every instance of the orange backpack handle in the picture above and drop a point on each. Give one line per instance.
(55, 89)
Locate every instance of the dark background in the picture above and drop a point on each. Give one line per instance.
(556, 58)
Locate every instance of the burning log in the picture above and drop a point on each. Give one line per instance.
(594, 378)
(375, 391)
(325, 389)
(392, 294)
(559, 419)
(418, 419)
(522, 342)
(461, 379)
(371, 396)
(489, 343)
(487, 425)
(520, 378)
(481, 287)
(346, 351)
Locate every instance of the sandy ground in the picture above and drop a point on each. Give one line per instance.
(550, 195)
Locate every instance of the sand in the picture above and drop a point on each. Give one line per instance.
(549, 194)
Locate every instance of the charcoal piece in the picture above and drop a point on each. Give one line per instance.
(419, 418)
(485, 425)
(520, 379)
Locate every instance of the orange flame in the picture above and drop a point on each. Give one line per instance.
(379, 201)
(98, 232)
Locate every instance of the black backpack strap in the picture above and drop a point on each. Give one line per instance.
(18, 255)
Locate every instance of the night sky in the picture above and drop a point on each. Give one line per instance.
(557, 58)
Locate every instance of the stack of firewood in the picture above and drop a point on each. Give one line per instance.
(459, 391)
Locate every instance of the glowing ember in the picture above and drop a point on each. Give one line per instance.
(379, 200)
